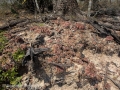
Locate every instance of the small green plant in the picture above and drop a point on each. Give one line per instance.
(18, 55)
(8, 75)
(16, 81)
(3, 41)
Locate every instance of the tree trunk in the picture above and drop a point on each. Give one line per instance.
(95, 5)
(89, 7)
(73, 6)
(85, 5)
(66, 7)
(110, 2)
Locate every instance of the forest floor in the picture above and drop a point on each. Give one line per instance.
(78, 58)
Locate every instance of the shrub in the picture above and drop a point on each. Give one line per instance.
(10, 76)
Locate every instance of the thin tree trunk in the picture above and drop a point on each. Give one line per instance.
(118, 2)
(95, 4)
(68, 9)
(62, 7)
(85, 5)
(89, 7)
(110, 2)
(37, 9)
(37, 6)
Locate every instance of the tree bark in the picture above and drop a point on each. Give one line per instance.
(73, 6)
(37, 6)
(67, 7)
(89, 7)
(12, 23)
(95, 5)
(85, 5)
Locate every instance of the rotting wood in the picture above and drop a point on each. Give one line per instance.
(111, 21)
(104, 11)
(31, 52)
(19, 30)
(104, 30)
(21, 24)
(111, 26)
(12, 23)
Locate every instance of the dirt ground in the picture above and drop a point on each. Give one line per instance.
(78, 59)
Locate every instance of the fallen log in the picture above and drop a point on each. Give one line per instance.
(106, 11)
(98, 27)
(111, 21)
(12, 23)
(111, 26)
(104, 30)
(21, 24)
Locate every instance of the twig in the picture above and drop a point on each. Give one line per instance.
(61, 66)
(115, 82)
(105, 77)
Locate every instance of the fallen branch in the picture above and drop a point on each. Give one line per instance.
(61, 66)
(105, 76)
(115, 82)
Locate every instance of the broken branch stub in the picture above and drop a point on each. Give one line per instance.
(31, 52)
